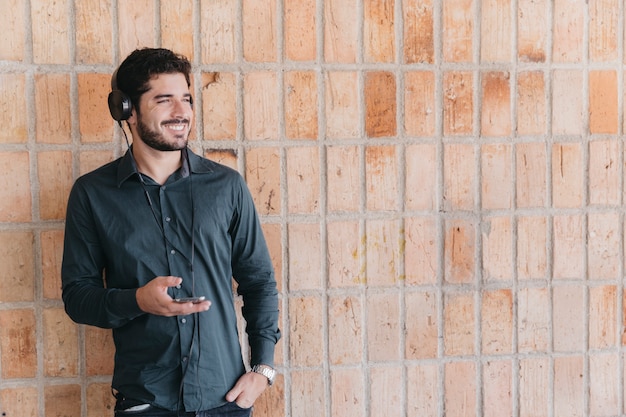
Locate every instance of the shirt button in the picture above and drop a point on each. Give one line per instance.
(179, 286)
(183, 320)
(173, 252)
(184, 359)
(167, 219)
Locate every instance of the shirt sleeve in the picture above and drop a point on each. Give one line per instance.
(254, 273)
(86, 299)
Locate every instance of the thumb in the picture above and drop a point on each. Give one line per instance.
(169, 281)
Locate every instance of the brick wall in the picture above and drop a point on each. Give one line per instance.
(440, 183)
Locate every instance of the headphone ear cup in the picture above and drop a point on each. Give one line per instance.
(120, 105)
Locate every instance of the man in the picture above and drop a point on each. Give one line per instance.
(154, 227)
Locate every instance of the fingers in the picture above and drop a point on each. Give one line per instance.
(153, 298)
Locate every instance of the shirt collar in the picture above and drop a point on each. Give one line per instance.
(198, 165)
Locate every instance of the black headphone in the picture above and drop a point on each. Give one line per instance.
(120, 105)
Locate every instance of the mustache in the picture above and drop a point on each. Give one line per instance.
(175, 121)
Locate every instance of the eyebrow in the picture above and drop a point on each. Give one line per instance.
(159, 96)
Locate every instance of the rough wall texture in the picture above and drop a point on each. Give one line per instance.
(440, 183)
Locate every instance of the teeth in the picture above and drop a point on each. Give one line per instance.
(176, 127)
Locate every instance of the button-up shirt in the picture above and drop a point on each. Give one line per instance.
(117, 240)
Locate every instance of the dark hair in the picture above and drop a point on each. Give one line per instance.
(136, 71)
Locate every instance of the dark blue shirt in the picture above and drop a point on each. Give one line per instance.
(115, 243)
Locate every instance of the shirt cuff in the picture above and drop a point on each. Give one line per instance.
(262, 352)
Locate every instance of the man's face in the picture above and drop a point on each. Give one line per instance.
(165, 113)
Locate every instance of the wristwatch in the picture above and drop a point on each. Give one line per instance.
(267, 371)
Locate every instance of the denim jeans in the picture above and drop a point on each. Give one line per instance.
(227, 410)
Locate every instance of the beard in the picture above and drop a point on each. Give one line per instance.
(157, 141)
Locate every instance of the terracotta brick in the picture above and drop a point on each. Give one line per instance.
(340, 31)
(421, 170)
(383, 241)
(568, 247)
(345, 254)
(17, 260)
(568, 386)
(419, 103)
(567, 175)
(15, 194)
(343, 179)
(52, 103)
(386, 388)
(14, 114)
(496, 314)
(62, 400)
(347, 393)
(303, 180)
(495, 114)
(568, 318)
(305, 256)
(460, 389)
(55, 179)
(533, 320)
(260, 106)
(496, 26)
(604, 389)
(99, 351)
(301, 117)
(381, 178)
(604, 173)
(532, 249)
(51, 257)
(308, 393)
(458, 30)
(421, 251)
(263, 179)
(421, 328)
(603, 253)
(497, 249)
(342, 105)
(603, 317)
(90, 160)
(13, 40)
(176, 28)
(498, 388)
(259, 30)
(219, 105)
(273, 237)
(380, 104)
(423, 384)
(93, 114)
(459, 251)
(604, 16)
(567, 90)
(50, 31)
(458, 104)
(226, 157)
(140, 16)
(531, 103)
(531, 174)
(272, 400)
(534, 387)
(459, 177)
(20, 401)
(459, 328)
(497, 176)
(568, 30)
(60, 344)
(419, 31)
(378, 31)
(100, 402)
(299, 30)
(305, 331)
(603, 106)
(19, 343)
(218, 36)
(94, 37)
(383, 327)
(532, 30)
(345, 330)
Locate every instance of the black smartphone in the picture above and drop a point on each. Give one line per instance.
(194, 300)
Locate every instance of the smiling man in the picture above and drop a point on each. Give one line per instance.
(152, 243)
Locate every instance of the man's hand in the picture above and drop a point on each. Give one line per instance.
(154, 299)
(247, 389)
